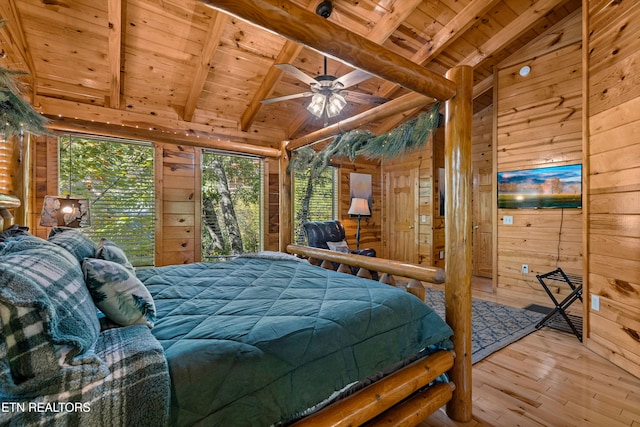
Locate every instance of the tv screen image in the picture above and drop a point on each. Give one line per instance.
(550, 187)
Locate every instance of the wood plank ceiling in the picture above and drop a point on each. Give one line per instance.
(181, 71)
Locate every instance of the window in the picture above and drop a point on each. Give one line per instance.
(231, 205)
(314, 200)
(118, 179)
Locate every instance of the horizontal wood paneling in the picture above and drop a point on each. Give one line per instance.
(178, 239)
(370, 227)
(539, 123)
(614, 181)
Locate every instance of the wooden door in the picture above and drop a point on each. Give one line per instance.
(482, 226)
(401, 213)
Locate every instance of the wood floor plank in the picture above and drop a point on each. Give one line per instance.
(548, 378)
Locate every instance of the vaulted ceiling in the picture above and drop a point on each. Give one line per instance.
(188, 72)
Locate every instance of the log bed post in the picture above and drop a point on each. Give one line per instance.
(286, 205)
(458, 176)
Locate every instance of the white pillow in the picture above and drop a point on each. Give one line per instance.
(341, 246)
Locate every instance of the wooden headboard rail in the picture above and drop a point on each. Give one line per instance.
(416, 273)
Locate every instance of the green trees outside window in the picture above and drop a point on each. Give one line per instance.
(118, 179)
(231, 205)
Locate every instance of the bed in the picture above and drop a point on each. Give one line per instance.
(263, 339)
(260, 339)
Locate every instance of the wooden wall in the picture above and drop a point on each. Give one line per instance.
(370, 227)
(429, 223)
(539, 123)
(13, 155)
(44, 179)
(178, 204)
(271, 223)
(613, 225)
(483, 198)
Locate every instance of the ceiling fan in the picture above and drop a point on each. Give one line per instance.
(327, 92)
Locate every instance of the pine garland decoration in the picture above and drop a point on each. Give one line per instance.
(16, 115)
(403, 139)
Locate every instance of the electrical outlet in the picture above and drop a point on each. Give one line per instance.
(507, 220)
(595, 302)
(525, 269)
(441, 254)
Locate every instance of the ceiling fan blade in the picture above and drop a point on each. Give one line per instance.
(353, 78)
(288, 68)
(363, 98)
(286, 97)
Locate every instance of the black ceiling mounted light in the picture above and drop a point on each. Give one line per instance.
(324, 9)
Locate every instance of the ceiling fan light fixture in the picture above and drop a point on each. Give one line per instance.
(318, 102)
(335, 105)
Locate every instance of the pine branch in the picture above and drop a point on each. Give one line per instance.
(403, 139)
(16, 115)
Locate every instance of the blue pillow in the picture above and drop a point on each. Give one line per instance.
(73, 240)
(118, 293)
(110, 251)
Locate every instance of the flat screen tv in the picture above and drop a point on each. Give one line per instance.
(550, 187)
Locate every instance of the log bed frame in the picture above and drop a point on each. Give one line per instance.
(305, 27)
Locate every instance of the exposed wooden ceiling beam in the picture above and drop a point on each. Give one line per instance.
(300, 25)
(393, 107)
(80, 126)
(391, 21)
(223, 131)
(511, 32)
(211, 43)
(443, 38)
(274, 75)
(483, 86)
(114, 10)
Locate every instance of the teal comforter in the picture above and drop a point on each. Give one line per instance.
(254, 341)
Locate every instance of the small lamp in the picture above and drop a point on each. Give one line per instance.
(65, 211)
(359, 207)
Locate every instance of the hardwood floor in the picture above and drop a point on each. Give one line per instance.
(547, 378)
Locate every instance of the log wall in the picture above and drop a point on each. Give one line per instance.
(613, 225)
(539, 124)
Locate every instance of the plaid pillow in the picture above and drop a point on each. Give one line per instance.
(74, 241)
(48, 318)
(118, 293)
(110, 251)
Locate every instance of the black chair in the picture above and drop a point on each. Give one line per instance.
(322, 233)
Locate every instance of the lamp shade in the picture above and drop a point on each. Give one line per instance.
(318, 102)
(359, 207)
(335, 105)
(65, 211)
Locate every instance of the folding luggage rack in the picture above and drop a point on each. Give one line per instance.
(575, 283)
